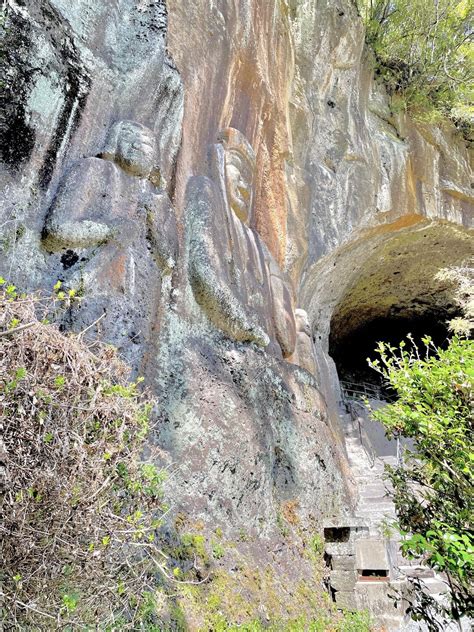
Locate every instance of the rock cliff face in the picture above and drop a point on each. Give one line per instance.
(197, 171)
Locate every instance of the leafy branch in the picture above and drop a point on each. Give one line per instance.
(433, 488)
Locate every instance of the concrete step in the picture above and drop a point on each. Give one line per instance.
(435, 586)
(375, 496)
(374, 516)
(367, 470)
(373, 522)
(376, 491)
(373, 487)
(422, 572)
(379, 513)
(376, 506)
(368, 476)
(368, 479)
(389, 460)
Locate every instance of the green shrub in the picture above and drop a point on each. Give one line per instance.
(218, 550)
(355, 622)
(433, 488)
(317, 544)
(424, 52)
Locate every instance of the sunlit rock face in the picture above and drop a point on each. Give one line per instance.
(236, 62)
(110, 234)
(357, 163)
(150, 179)
(358, 166)
(274, 440)
(228, 189)
(90, 142)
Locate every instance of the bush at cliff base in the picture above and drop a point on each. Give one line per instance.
(79, 508)
(433, 487)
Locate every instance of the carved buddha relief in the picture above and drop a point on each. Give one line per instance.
(117, 232)
(234, 278)
(304, 351)
(239, 175)
(133, 148)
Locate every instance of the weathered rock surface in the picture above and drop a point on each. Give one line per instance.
(273, 443)
(72, 71)
(199, 170)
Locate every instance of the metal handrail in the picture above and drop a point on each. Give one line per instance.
(358, 392)
(361, 390)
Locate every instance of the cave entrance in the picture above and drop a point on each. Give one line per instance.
(399, 289)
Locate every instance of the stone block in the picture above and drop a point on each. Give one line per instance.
(371, 555)
(434, 586)
(392, 623)
(339, 548)
(343, 562)
(340, 539)
(354, 529)
(343, 580)
(346, 599)
(417, 572)
(376, 598)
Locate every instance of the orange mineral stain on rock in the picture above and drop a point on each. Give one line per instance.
(405, 221)
(236, 64)
(115, 274)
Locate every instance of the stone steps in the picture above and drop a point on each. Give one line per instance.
(422, 572)
(374, 504)
(374, 507)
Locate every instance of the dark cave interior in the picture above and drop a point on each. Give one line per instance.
(350, 347)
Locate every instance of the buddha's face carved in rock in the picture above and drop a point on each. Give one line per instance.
(302, 322)
(133, 147)
(239, 184)
(239, 160)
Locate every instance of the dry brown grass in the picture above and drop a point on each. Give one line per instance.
(289, 510)
(79, 508)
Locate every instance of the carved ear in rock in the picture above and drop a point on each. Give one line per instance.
(155, 177)
(302, 321)
(233, 140)
(304, 353)
(110, 148)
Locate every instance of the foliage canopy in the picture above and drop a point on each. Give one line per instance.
(424, 51)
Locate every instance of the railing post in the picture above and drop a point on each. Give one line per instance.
(399, 454)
